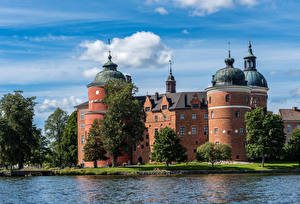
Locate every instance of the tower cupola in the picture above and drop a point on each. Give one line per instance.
(250, 60)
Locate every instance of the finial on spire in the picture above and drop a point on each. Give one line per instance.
(109, 51)
(170, 62)
(250, 48)
(229, 55)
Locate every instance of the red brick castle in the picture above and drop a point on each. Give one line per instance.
(216, 114)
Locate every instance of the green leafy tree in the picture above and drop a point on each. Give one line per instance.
(293, 146)
(123, 124)
(167, 147)
(54, 128)
(265, 134)
(93, 149)
(69, 141)
(18, 113)
(39, 154)
(213, 153)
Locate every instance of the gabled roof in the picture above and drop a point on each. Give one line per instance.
(179, 100)
(290, 114)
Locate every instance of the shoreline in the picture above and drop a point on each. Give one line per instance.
(142, 173)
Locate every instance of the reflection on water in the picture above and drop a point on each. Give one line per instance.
(151, 189)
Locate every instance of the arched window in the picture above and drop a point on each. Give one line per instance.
(212, 114)
(227, 98)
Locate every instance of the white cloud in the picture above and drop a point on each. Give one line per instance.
(90, 73)
(272, 73)
(142, 49)
(185, 31)
(161, 10)
(49, 105)
(248, 2)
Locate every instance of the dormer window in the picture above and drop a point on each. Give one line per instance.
(147, 109)
(164, 107)
(196, 105)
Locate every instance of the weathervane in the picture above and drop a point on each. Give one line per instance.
(170, 62)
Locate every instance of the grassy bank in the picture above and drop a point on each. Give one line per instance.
(182, 166)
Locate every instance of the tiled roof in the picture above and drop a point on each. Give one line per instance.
(177, 100)
(82, 105)
(290, 114)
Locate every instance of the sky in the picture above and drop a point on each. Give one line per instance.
(53, 49)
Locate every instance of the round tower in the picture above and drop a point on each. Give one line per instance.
(228, 101)
(96, 109)
(255, 80)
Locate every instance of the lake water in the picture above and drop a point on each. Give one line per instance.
(152, 189)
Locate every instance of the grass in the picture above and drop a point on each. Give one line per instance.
(181, 166)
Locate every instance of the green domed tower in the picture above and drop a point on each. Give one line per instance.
(228, 102)
(255, 80)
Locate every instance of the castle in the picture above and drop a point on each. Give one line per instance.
(216, 114)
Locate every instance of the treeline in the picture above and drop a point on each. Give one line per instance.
(22, 143)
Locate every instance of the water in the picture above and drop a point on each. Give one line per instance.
(184, 189)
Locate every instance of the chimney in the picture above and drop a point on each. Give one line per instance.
(156, 96)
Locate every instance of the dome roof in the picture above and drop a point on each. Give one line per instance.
(229, 75)
(254, 78)
(109, 72)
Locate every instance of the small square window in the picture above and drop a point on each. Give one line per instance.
(164, 107)
(147, 137)
(81, 115)
(147, 109)
(182, 131)
(82, 149)
(194, 116)
(206, 116)
(217, 142)
(82, 139)
(229, 132)
(216, 131)
(206, 130)
(181, 116)
(194, 131)
(155, 118)
(165, 118)
(241, 130)
(82, 125)
(196, 105)
(156, 131)
(147, 144)
(195, 150)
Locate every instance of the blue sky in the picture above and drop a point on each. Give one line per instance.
(52, 49)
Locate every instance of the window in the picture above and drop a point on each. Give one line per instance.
(247, 99)
(156, 131)
(289, 129)
(82, 125)
(165, 117)
(81, 115)
(206, 116)
(197, 142)
(194, 116)
(97, 92)
(216, 131)
(237, 113)
(217, 142)
(298, 126)
(147, 137)
(241, 130)
(206, 130)
(147, 109)
(212, 114)
(194, 131)
(195, 105)
(155, 118)
(147, 144)
(195, 150)
(142, 146)
(181, 116)
(146, 129)
(82, 149)
(227, 98)
(182, 131)
(82, 139)
(164, 107)
(229, 132)
(209, 100)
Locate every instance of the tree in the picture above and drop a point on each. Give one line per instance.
(213, 153)
(167, 147)
(54, 127)
(69, 141)
(18, 113)
(93, 149)
(39, 154)
(293, 146)
(265, 134)
(123, 124)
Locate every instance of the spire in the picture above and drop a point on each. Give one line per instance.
(109, 64)
(170, 83)
(229, 61)
(250, 49)
(109, 51)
